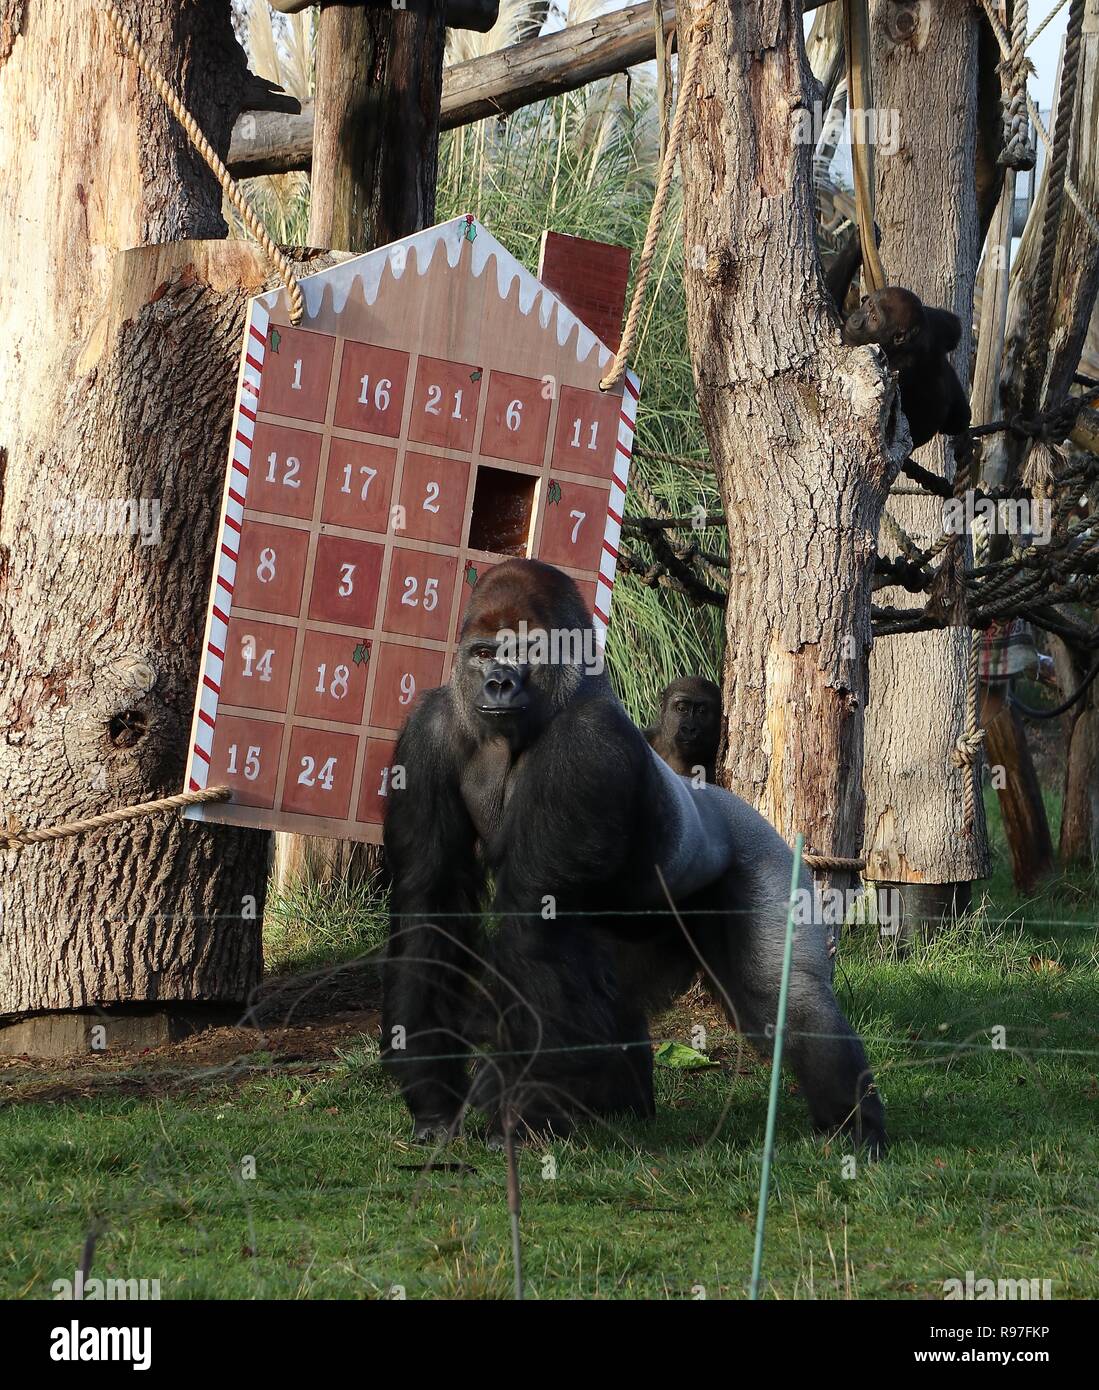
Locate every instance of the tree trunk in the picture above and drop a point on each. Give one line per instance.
(1016, 780)
(117, 369)
(927, 211)
(1079, 844)
(803, 433)
(376, 140)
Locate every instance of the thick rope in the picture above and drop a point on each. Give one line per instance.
(967, 750)
(830, 861)
(229, 186)
(1073, 192)
(1037, 352)
(1060, 5)
(14, 837)
(617, 371)
(1018, 151)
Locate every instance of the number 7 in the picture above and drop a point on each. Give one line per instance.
(579, 522)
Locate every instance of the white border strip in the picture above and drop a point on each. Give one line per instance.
(616, 506)
(225, 573)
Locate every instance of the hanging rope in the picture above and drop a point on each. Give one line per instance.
(1018, 151)
(15, 837)
(967, 750)
(1037, 353)
(1036, 117)
(860, 98)
(617, 371)
(279, 263)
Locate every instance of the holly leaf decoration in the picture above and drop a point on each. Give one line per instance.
(275, 340)
(471, 574)
(554, 493)
(475, 376)
(471, 228)
(362, 653)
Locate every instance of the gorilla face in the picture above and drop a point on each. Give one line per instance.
(522, 653)
(892, 318)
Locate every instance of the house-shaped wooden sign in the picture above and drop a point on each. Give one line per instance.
(436, 411)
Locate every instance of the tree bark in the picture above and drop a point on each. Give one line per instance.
(803, 432)
(927, 212)
(379, 76)
(117, 369)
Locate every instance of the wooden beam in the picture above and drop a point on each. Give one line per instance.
(379, 73)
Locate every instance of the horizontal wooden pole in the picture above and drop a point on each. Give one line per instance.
(276, 143)
(273, 142)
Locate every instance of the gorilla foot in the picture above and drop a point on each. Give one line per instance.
(435, 1129)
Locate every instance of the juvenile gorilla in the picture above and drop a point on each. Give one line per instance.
(916, 340)
(687, 734)
(533, 773)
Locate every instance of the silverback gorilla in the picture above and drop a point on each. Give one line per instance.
(916, 340)
(689, 729)
(530, 773)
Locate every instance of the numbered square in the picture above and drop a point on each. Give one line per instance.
(245, 757)
(516, 418)
(270, 568)
(432, 499)
(258, 660)
(320, 771)
(346, 576)
(444, 404)
(282, 477)
(419, 593)
(376, 779)
(370, 396)
(587, 431)
(332, 677)
(358, 483)
(401, 674)
(297, 368)
(574, 525)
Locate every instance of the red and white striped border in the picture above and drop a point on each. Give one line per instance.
(616, 506)
(225, 574)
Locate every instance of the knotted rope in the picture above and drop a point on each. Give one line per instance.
(14, 837)
(617, 371)
(1018, 151)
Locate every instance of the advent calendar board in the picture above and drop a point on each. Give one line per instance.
(436, 411)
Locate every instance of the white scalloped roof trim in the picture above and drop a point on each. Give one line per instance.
(368, 269)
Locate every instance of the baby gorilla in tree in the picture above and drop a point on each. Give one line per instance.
(916, 341)
(690, 726)
(527, 768)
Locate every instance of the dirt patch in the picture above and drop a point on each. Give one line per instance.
(218, 1059)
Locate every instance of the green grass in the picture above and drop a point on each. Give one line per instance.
(993, 1166)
